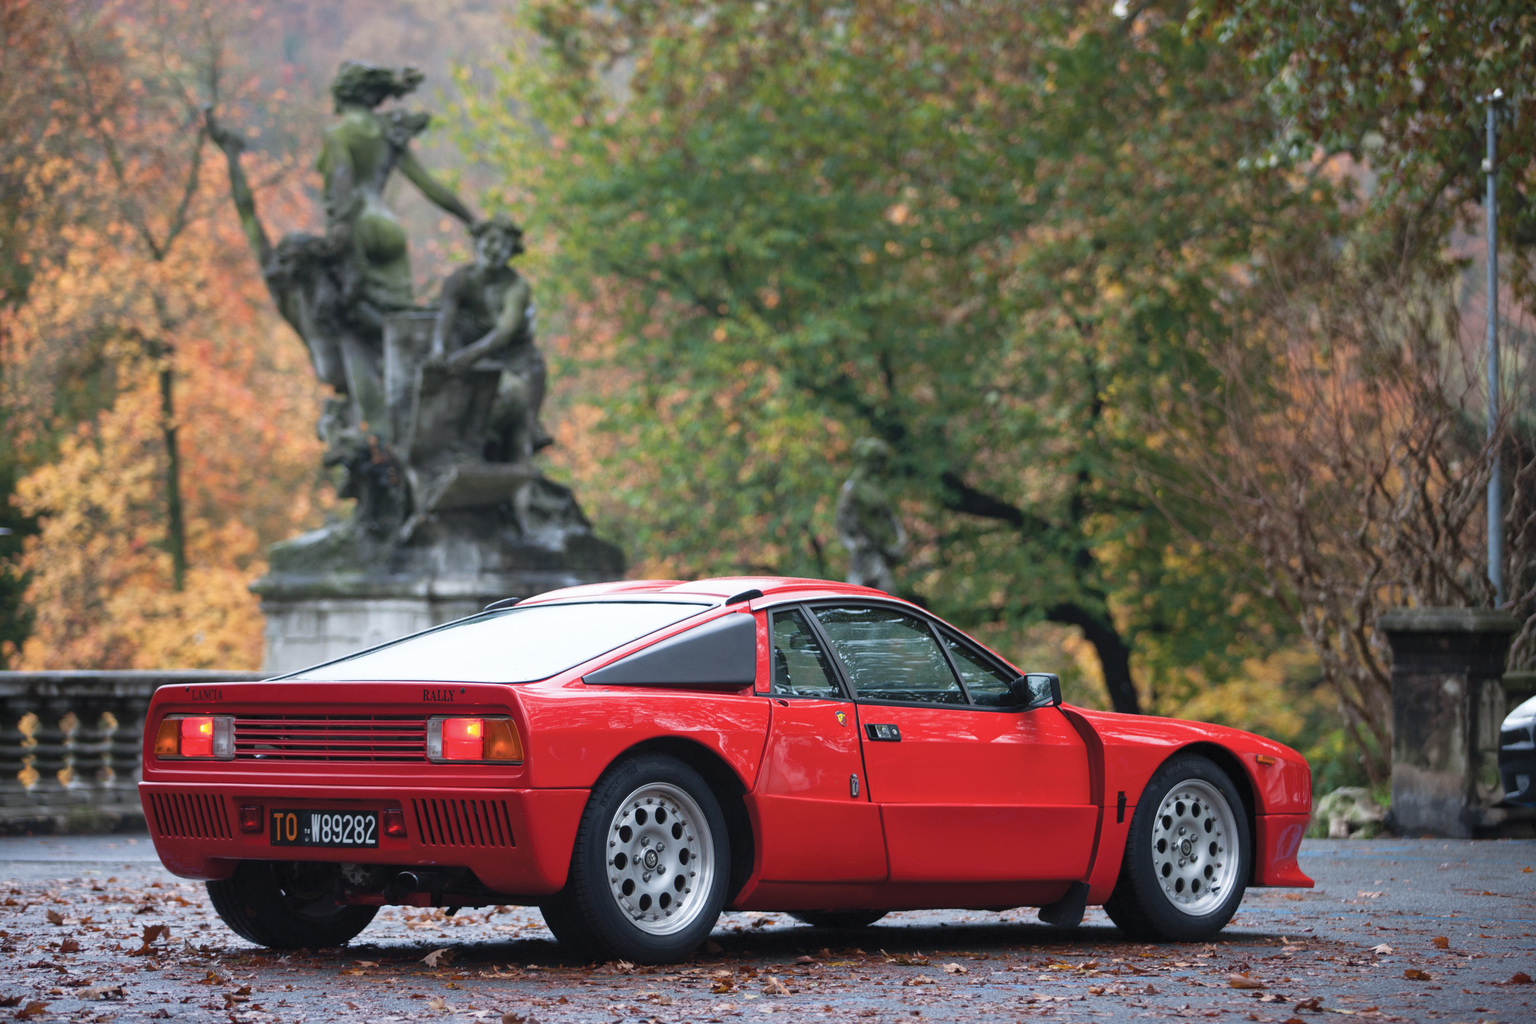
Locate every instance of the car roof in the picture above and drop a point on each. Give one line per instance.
(715, 588)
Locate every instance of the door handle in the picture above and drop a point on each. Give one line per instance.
(883, 732)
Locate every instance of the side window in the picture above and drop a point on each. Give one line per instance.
(890, 655)
(800, 666)
(986, 683)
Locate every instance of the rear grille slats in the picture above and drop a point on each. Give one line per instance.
(323, 738)
(463, 822)
(190, 815)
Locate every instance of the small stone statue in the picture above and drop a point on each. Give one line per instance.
(866, 522)
(487, 313)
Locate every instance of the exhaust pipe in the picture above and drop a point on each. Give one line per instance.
(402, 885)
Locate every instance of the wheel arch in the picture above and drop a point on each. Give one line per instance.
(729, 790)
(1229, 763)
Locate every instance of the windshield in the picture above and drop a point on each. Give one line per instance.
(517, 645)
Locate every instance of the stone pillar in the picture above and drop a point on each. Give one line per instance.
(1446, 692)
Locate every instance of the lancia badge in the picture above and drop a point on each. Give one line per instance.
(842, 718)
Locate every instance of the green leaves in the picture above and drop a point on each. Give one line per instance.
(1001, 236)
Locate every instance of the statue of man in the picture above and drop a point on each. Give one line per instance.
(866, 522)
(487, 313)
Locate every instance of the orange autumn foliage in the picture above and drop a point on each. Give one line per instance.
(246, 402)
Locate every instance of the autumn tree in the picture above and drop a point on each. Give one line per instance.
(39, 192)
(162, 415)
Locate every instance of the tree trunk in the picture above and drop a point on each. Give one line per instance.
(1114, 654)
(176, 530)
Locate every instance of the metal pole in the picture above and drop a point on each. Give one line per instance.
(1495, 486)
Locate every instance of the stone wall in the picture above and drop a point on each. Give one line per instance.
(70, 744)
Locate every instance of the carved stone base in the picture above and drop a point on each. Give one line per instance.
(345, 587)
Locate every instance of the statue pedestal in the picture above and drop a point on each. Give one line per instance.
(310, 620)
(342, 588)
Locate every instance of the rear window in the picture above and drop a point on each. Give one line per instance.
(516, 645)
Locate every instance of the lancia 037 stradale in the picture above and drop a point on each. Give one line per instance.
(635, 757)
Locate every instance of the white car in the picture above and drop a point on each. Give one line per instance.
(1517, 754)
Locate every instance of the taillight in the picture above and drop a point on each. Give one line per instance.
(463, 739)
(473, 739)
(210, 737)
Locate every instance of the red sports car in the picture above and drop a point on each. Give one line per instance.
(635, 757)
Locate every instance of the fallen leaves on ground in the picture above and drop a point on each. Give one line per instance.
(1382, 949)
(1441, 942)
(1414, 974)
(1244, 982)
(1315, 1004)
(438, 958)
(955, 969)
(103, 992)
(54, 917)
(774, 987)
(32, 1009)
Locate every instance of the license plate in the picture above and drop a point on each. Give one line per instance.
(325, 828)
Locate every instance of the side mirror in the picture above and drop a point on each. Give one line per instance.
(1036, 690)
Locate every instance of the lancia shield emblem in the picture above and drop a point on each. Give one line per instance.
(842, 718)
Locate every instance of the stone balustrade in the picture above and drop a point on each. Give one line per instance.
(70, 744)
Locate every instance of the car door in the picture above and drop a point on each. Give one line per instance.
(969, 790)
(816, 821)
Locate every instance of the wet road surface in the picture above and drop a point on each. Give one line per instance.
(1396, 930)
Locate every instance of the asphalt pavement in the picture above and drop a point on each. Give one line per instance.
(1396, 930)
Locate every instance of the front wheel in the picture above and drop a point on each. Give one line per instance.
(650, 866)
(283, 905)
(1187, 856)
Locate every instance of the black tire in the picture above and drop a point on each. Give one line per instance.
(639, 802)
(1187, 890)
(287, 905)
(844, 919)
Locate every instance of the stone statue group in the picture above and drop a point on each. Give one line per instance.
(437, 408)
(338, 289)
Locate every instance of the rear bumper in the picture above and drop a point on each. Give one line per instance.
(1276, 841)
(516, 841)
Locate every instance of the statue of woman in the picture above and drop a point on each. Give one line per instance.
(361, 150)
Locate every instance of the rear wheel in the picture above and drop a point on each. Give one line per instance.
(1187, 857)
(650, 866)
(287, 905)
(840, 918)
